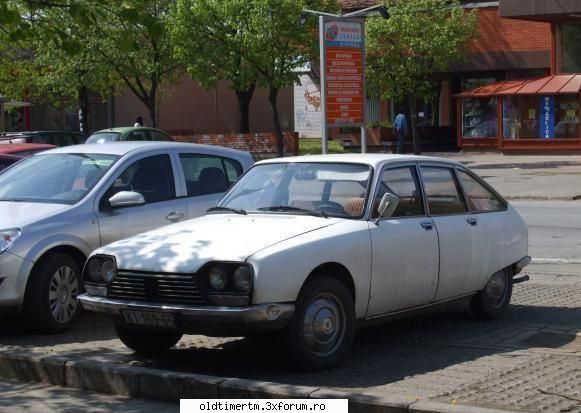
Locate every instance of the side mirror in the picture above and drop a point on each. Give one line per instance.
(126, 199)
(387, 206)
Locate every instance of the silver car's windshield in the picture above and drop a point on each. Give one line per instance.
(325, 189)
(103, 137)
(54, 178)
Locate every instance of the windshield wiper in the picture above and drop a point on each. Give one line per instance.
(288, 208)
(236, 211)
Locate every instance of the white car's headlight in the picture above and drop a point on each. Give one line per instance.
(7, 238)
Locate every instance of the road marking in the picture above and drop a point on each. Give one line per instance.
(556, 261)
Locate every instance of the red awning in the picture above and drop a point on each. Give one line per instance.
(550, 85)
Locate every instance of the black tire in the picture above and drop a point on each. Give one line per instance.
(51, 303)
(329, 299)
(491, 303)
(146, 342)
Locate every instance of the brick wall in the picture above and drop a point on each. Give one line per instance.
(496, 34)
(257, 143)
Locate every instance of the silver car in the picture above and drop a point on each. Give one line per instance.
(58, 206)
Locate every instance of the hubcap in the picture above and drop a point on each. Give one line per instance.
(62, 294)
(324, 324)
(496, 288)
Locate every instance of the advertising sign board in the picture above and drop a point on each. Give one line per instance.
(343, 61)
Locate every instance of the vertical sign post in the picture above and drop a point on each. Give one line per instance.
(343, 75)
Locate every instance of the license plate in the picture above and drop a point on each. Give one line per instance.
(149, 318)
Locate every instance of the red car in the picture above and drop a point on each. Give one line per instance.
(12, 153)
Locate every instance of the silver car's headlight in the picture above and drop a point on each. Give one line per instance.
(7, 238)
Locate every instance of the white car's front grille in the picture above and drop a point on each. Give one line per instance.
(156, 288)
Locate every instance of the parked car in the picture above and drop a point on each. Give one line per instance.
(310, 247)
(55, 137)
(10, 154)
(137, 133)
(58, 206)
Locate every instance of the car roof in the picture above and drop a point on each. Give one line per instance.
(123, 129)
(123, 148)
(22, 147)
(373, 159)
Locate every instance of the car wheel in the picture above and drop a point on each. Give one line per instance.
(51, 303)
(322, 329)
(147, 343)
(492, 302)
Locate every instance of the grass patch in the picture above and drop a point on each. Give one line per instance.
(313, 147)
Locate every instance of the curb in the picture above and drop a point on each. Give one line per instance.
(542, 198)
(169, 386)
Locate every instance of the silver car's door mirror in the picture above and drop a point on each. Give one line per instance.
(387, 206)
(126, 199)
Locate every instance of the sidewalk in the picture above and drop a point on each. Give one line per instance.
(442, 360)
(536, 177)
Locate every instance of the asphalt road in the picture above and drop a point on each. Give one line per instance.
(554, 230)
(18, 397)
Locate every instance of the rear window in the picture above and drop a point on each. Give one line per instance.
(103, 137)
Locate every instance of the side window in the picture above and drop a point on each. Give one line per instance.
(233, 170)
(156, 136)
(404, 183)
(205, 174)
(138, 135)
(442, 191)
(152, 177)
(479, 198)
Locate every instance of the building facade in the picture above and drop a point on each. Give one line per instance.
(530, 113)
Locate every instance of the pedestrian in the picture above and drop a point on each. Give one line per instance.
(138, 121)
(400, 130)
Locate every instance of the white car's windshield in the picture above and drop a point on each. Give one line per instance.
(325, 189)
(54, 178)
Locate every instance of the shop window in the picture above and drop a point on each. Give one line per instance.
(569, 48)
(541, 117)
(520, 117)
(479, 118)
(567, 116)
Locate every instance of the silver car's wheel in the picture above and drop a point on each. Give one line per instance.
(62, 295)
(324, 324)
(52, 289)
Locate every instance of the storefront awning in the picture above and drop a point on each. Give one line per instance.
(550, 85)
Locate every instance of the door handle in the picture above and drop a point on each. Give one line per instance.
(174, 216)
(472, 221)
(427, 225)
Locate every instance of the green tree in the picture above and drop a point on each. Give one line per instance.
(131, 38)
(84, 44)
(420, 38)
(278, 44)
(209, 39)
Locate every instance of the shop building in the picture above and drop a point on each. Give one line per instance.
(504, 49)
(540, 113)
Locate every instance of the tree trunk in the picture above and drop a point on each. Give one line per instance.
(84, 109)
(151, 108)
(414, 123)
(272, 98)
(244, 98)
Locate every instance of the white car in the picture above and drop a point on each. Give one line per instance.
(310, 247)
(58, 206)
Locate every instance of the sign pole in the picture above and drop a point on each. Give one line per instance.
(324, 138)
(363, 86)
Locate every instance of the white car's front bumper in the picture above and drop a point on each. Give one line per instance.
(211, 320)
